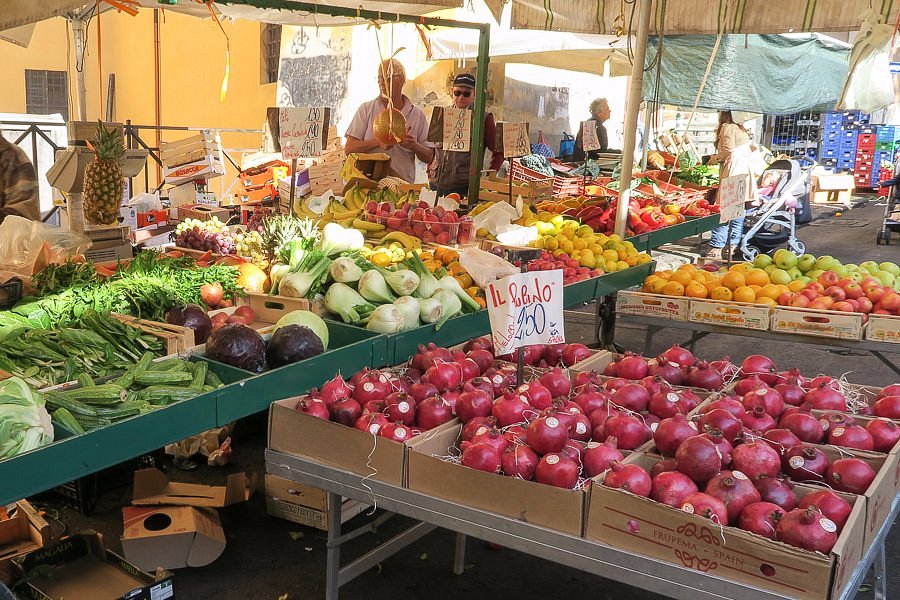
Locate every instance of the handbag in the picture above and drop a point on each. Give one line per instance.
(567, 145)
(542, 148)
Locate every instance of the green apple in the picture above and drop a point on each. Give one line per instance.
(870, 265)
(807, 262)
(762, 261)
(851, 267)
(814, 274)
(805, 279)
(826, 263)
(890, 268)
(840, 269)
(857, 275)
(885, 277)
(770, 269)
(795, 273)
(785, 259)
(780, 277)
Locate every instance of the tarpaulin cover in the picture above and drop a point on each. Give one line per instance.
(771, 74)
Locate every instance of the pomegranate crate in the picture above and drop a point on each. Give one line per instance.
(538, 504)
(643, 304)
(883, 328)
(644, 526)
(864, 421)
(359, 452)
(821, 323)
(730, 314)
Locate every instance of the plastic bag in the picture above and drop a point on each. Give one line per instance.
(145, 202)
(485, 267)
(501, 213)
(869, 85)
(28, 246)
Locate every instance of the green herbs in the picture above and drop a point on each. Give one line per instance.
(54, 278)
(700, 175)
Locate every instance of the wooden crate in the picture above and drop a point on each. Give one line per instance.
(821, 323)
(175, 337)
(653, 305)
(498, 189)
(730, 314)
(190, 149)
(883, 328)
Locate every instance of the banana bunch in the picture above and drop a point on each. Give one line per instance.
(334, 212)
(369, 229)
(407, 241)
(356, 198)
(409, 197)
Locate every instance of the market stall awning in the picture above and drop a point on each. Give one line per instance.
(771, 74)
(686, 17)
(574, 52)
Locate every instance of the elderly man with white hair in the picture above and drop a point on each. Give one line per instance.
(413, 144)
(599, 113)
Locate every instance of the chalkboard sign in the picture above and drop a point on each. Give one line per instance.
(298, 132)
(514, 138)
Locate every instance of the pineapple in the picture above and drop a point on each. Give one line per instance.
(103, 178)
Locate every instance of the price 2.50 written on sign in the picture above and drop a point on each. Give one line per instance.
(589, 139)
(734, 191)
(526, 309)
(457, 129)
(515, 139)
(302, 131)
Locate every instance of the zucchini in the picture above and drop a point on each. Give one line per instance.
(122, 411)
(105, 394)
(65, 418)
(92, 422)
(163, 378)
(200, 369)
(58, 400)
(213, 379)
(166, 394)
(169, 364)
(127, 378)
(85, 380)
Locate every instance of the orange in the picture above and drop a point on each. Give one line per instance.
(755, 288)
(721, 293)
(695, 290)
(733, 280)
(767, 301)
(711, 285)
(687, 267)
(741, 268)
(757, 277)
(744, 294)
(770, 291)
(663, 274)
(682, 277)
(797, 285)
(656, 287)
(782, 289)
(673, 288)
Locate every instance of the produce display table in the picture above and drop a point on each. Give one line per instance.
(654, 239)
(701, 330)
(635, 570)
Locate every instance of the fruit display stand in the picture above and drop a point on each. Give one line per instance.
(692, 226)
(658, 576)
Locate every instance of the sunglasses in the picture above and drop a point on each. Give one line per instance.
(464, 94)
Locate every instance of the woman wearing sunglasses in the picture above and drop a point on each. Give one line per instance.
(450, 171)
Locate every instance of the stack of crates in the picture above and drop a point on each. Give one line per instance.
(831, 139)
(796, 135)
(865, 156)
(887, 142)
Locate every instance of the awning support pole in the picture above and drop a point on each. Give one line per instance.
(80, 87)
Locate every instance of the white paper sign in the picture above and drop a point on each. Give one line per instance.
(515, 140)
(457, 129)
(734, 191)
(526, 309)
(301, 131)
(589, 140)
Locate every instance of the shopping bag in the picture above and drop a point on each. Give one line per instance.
(567, 145)
(542, 148)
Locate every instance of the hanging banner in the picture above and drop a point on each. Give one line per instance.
(457, 129)
(526, 309)
(300, 131)
(734, 191)
(589, 139)
(515, 139)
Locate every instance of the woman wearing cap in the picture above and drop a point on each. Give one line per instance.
(450, 171)
(413, 145)
(599, 113)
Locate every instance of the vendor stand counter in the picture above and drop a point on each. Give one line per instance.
(692, 226)
(632, 569)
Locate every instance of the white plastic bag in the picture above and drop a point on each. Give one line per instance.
(485, 267)
(145, 202)
(28, 246)
(492, 218)
(870, 84)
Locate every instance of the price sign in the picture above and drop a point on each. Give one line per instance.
(526, 309)
(515, 139)
(589, 139)
(457, 129)
(734, 191)
(300, 131)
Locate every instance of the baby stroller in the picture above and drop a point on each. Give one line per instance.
(783, 201)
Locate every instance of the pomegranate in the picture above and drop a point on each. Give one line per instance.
(573, 450)
(519, 461)
(584, 378)
(591, 399)
(668, 371)
(852, 436)
(777, 491)
(666, 404)
(888, 406)
(469, 368)
(782, 440)
(706, 506)
(598, 457)
(758, 420)
(730, 404)
(421, 390)
(573, 353)
(678, 355)
(499, 380)
(399, 408)
(756, 460)
(473, 403)
(509, 408)
(655, 384)
(804, 426)
(630, 478)
(445, 376)
(822, 380)
(671, 433)
(852, 475)
(314, 408)
(474, 425)
(335, 389)
(724, 447)
(689, 401)
(703, 376)
(492, 437)
(373, 406)
(825, 397)
(396, 431)
(761, 518)
(480, 383)
(432, 412)
(536, 395)
(482, 358)
(833, 419)
(891, 390)
(546, 434)
(552, 354)
(830, 504)
(792, 373)
(556, 383)
(698, 458)
(724, 421)
(725, 367)
(663, 466)
(566, 412)
(734, 490)
(371, 422)
(791, 391)
(483, 457)
(615, 383)
(346, 411)
(768, 398)
(557, 470)
(672, 488)
(885, 434)
(631, 366)
(749, 384)
(632, 396)
(370, 389)
(581, 429)
(807, 528)
(805, 463)
(515, 434)
(763, 366)
(627, 429)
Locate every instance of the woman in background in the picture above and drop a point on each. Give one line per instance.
(729, 136)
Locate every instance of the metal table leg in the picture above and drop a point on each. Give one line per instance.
(459, 556)
(893, 366)
(333, 554)
(606, 321)
(880, 583)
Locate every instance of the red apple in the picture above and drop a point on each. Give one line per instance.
(800, 301)
(843, 306)
(891, 301)
(829, 278)
(836, 293)
(815, 286)
(853, 290)
(865, 305)
(868, 282)
(810, 294)
(854, 303)
(785, 298)
(822, 303)
(881, 311)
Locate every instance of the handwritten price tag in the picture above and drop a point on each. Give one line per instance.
(734, 191)
(515, 139)
(302, 131)
(526, 309)
(457, 129)
(589, 139)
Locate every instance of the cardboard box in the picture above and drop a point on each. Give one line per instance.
(203, 212)
(304, 504)
(833, 188)
(730, 314)
(83, 569)
(379, 458)
(821, 323)
(256, 195)
(203, 169)
(153, 488)
(24, 531)
(171, 537)
(653, 305)
(529, 501)
(365, 170)
(641, 525)
(883, 328)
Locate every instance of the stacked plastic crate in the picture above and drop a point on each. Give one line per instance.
(887, 142)
(865, 155)
(831, 140)
(796, 135)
